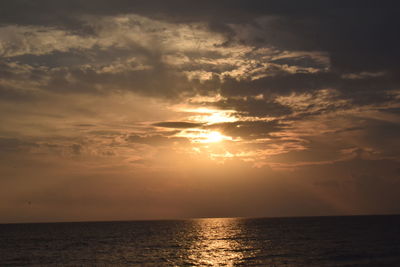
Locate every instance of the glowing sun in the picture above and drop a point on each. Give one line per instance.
(204, 136)
(206, 117)
(214, 137)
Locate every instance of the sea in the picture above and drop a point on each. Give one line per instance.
(306, 241)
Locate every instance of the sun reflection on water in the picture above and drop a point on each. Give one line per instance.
(216, 243)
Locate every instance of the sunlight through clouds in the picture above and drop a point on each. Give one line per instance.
(171, 100)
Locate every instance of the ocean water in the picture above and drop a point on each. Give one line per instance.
(310, 241)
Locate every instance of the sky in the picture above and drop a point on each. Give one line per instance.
(127, 110)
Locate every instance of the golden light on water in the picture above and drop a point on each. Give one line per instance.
(215, 244)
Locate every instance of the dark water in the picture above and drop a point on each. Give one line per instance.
(315, 241)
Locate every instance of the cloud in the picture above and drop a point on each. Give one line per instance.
(154, 140)
(248, 129)
(127, 46)
(178, 124)
(254, 107)
(14, 145)
(357, 38)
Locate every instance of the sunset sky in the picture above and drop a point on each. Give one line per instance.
(122, 110)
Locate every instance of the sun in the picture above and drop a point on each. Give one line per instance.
(203, 136)
(207, 137)
(214, 137)
(206, 117)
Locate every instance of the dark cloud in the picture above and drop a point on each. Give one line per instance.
(95, 55)
(381, 136)
(391, 110)
(76, 149)
(282, 84)
(158, 82)
(13, 145)
(254, 107)
(304, 61)
(9, 93)
(370, 90)
(174, 8)
(356, 37)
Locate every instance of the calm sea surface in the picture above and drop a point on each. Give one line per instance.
(314, 241)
